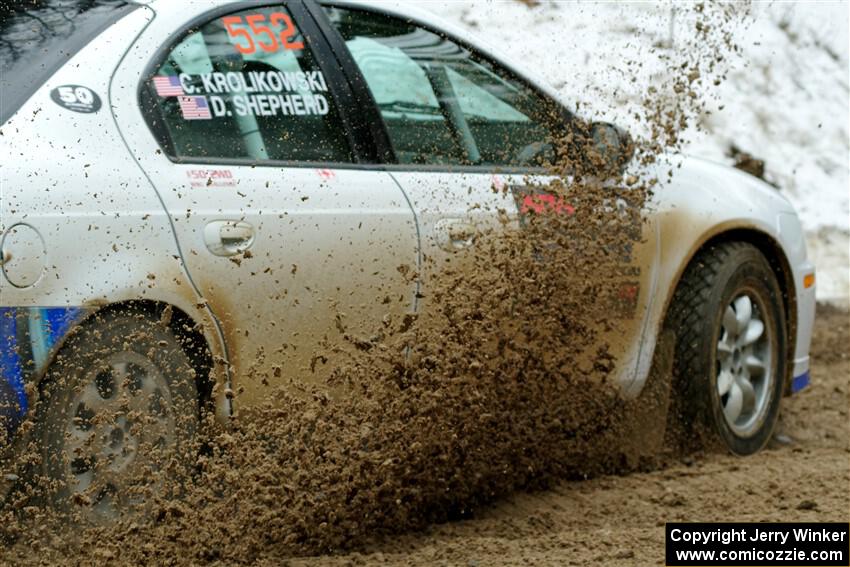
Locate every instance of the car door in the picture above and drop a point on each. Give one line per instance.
(241, 125)
(471, 142)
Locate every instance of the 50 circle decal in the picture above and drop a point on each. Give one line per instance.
(261, 35)
(77, 98)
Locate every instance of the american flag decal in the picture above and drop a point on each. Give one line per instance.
(194, 107)
(168, 86)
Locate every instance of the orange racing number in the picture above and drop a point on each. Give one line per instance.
(245, 43)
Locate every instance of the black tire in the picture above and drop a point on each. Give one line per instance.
(119, 406)
(718, 278)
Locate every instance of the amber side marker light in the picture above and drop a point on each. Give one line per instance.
(808, 280)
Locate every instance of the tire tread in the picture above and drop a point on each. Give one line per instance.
(689, 308)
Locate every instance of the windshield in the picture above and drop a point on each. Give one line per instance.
(38, 36)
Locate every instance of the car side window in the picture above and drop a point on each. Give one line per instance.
(442, 104)
(247, 86)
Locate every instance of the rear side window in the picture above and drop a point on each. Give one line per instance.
(247, 86)
(440, 102)
(37, 37)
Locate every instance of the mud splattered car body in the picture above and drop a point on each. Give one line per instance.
(247, 165)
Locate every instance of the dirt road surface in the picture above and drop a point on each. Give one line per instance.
(617, 520)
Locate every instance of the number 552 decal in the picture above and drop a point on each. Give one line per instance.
(260, 34)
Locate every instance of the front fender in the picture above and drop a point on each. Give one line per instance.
(702, 202)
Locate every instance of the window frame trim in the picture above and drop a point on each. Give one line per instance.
(325, 58)
(349, 67)
(368, 107)
(367, 166)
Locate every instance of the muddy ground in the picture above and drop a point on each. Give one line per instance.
(605, 520)
(619, 520)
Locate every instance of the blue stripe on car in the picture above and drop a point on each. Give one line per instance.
(28, 336)
(800, 382)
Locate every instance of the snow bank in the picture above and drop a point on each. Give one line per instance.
(785, 98)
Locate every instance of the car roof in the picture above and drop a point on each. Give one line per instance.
(403, 10)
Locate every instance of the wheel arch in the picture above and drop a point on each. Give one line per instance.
(772, 251)
(188, 332)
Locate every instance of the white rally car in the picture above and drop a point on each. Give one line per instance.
(214, 183)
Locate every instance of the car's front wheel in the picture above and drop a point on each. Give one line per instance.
(729, 362)
(117, 418)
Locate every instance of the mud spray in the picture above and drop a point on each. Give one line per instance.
(504, 382)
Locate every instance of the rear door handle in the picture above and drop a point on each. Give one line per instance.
(228, 237)
(454, 234)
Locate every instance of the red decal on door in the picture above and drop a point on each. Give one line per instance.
(544, 202)
(211, 178)
(497, 183)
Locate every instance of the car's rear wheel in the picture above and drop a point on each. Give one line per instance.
(117, 418)
(729, 362)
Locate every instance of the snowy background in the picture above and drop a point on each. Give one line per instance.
(784, 100)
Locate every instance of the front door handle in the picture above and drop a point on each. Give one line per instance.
(228, 237)
(454, 234)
